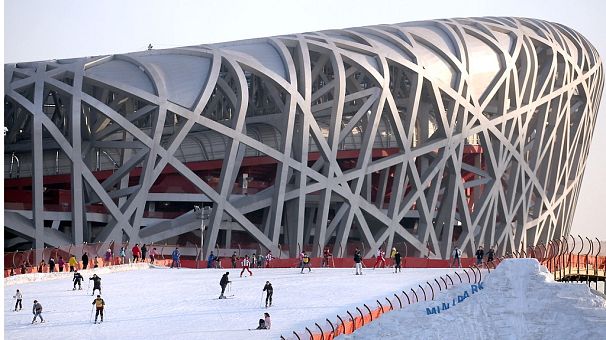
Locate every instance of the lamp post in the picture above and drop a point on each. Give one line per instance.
(202, 214)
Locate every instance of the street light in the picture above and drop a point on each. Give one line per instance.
(203, 214)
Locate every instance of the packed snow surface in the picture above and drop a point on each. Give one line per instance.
(518, 300)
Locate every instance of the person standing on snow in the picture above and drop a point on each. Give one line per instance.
(100, 305)
(37, 311)
(358, 261)
(456, 257)
(152, 255)
(245, 266)
(51, 265)
(96, 262)
(268, 259)
(490, 255)
(223, 283)
(176, 258)
(397, 257)
(96, 283)
(136, 253)
(108, 257)
(392, 254)
(306, 263)
(326, 257)
(267, 320)
(122, 255)
(72, 263)
(270, 292)
(61, 263)
(85, 260)
(479, 255)
(77, 280)
(19, 298)
(143, 253)
(211, 260)
(380, 258)
(234, 259)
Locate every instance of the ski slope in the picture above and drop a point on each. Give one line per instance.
(518, 301)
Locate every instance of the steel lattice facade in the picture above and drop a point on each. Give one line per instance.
(434, 134)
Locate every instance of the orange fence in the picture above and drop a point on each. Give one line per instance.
(566, 258)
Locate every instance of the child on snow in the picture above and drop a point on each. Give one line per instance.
(100, 304)
(37, 311)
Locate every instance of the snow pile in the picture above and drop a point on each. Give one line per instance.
(37, 277)
(519, 300)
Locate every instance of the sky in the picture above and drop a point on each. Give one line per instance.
(36, 30)
(517, 300)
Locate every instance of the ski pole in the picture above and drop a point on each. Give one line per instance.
(91, 314)
(261, 304)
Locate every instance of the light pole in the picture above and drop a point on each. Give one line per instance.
(203, 214)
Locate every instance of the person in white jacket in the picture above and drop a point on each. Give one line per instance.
(19, 298)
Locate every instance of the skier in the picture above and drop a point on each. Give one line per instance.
(306, 263)
(122, 255)
(51, 265)
(223, 283)
(85, 260)
(234, 258)
(358, 261)
(245, 266)
(100, 304)
(72, 263)
(270, 292)
(37, 311)
(108, 257)
(96, 283)
(301, 256)
(19, 298)
(143, 253)
(490, 255)
(77, 280)
(479, 255)
(176, 258)
(456, 257)
(152, 255)
(268, 259)
(397, 258)
(136, 253)
(211, 260)
(61, 263)
(380, 258)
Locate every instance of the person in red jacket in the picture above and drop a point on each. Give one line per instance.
(380, 258)
(245, 266)
(136, 253)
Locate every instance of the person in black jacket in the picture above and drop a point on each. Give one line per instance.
(270, 292)
(85, 260)
(398, 259)
(479, 255)
(96, 284)
(77, 280)
(358, 261)
(223, 283)
(51, 265)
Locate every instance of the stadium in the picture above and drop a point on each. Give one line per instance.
(426, 135)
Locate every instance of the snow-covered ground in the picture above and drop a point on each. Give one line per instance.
(518, 301)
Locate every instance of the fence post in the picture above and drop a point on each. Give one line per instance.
(390, 304)
(407, 298)
(451, 283)
(468, 278)
(415, 293)
(331, 326)
(342, 324)
(369, 312)
(311, 335)
(361, 315)
(297, 335)
(381, 306)
(432, 293)
(321, 331)
(460, 280)
(352, 320)
(438, 283)
(423, 290)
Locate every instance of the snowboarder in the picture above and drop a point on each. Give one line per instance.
(270, 292)
(223, 283)
(358, 261)
(37, 311)
(456, 258)
(490, 255)
(267, 320)
(268, 259)
(143, 253)
(234, 259)
(380, 258)
(77, 280)
(51, 265)
(96, 283)
(100, 304)
(61, 263)
(176, 258)
(479, 255)
(306, 263)
(136, 253)
(397, 258)
(245, 266)
(19, 298)
(85, 260)
(211, 260)
(72, 263)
